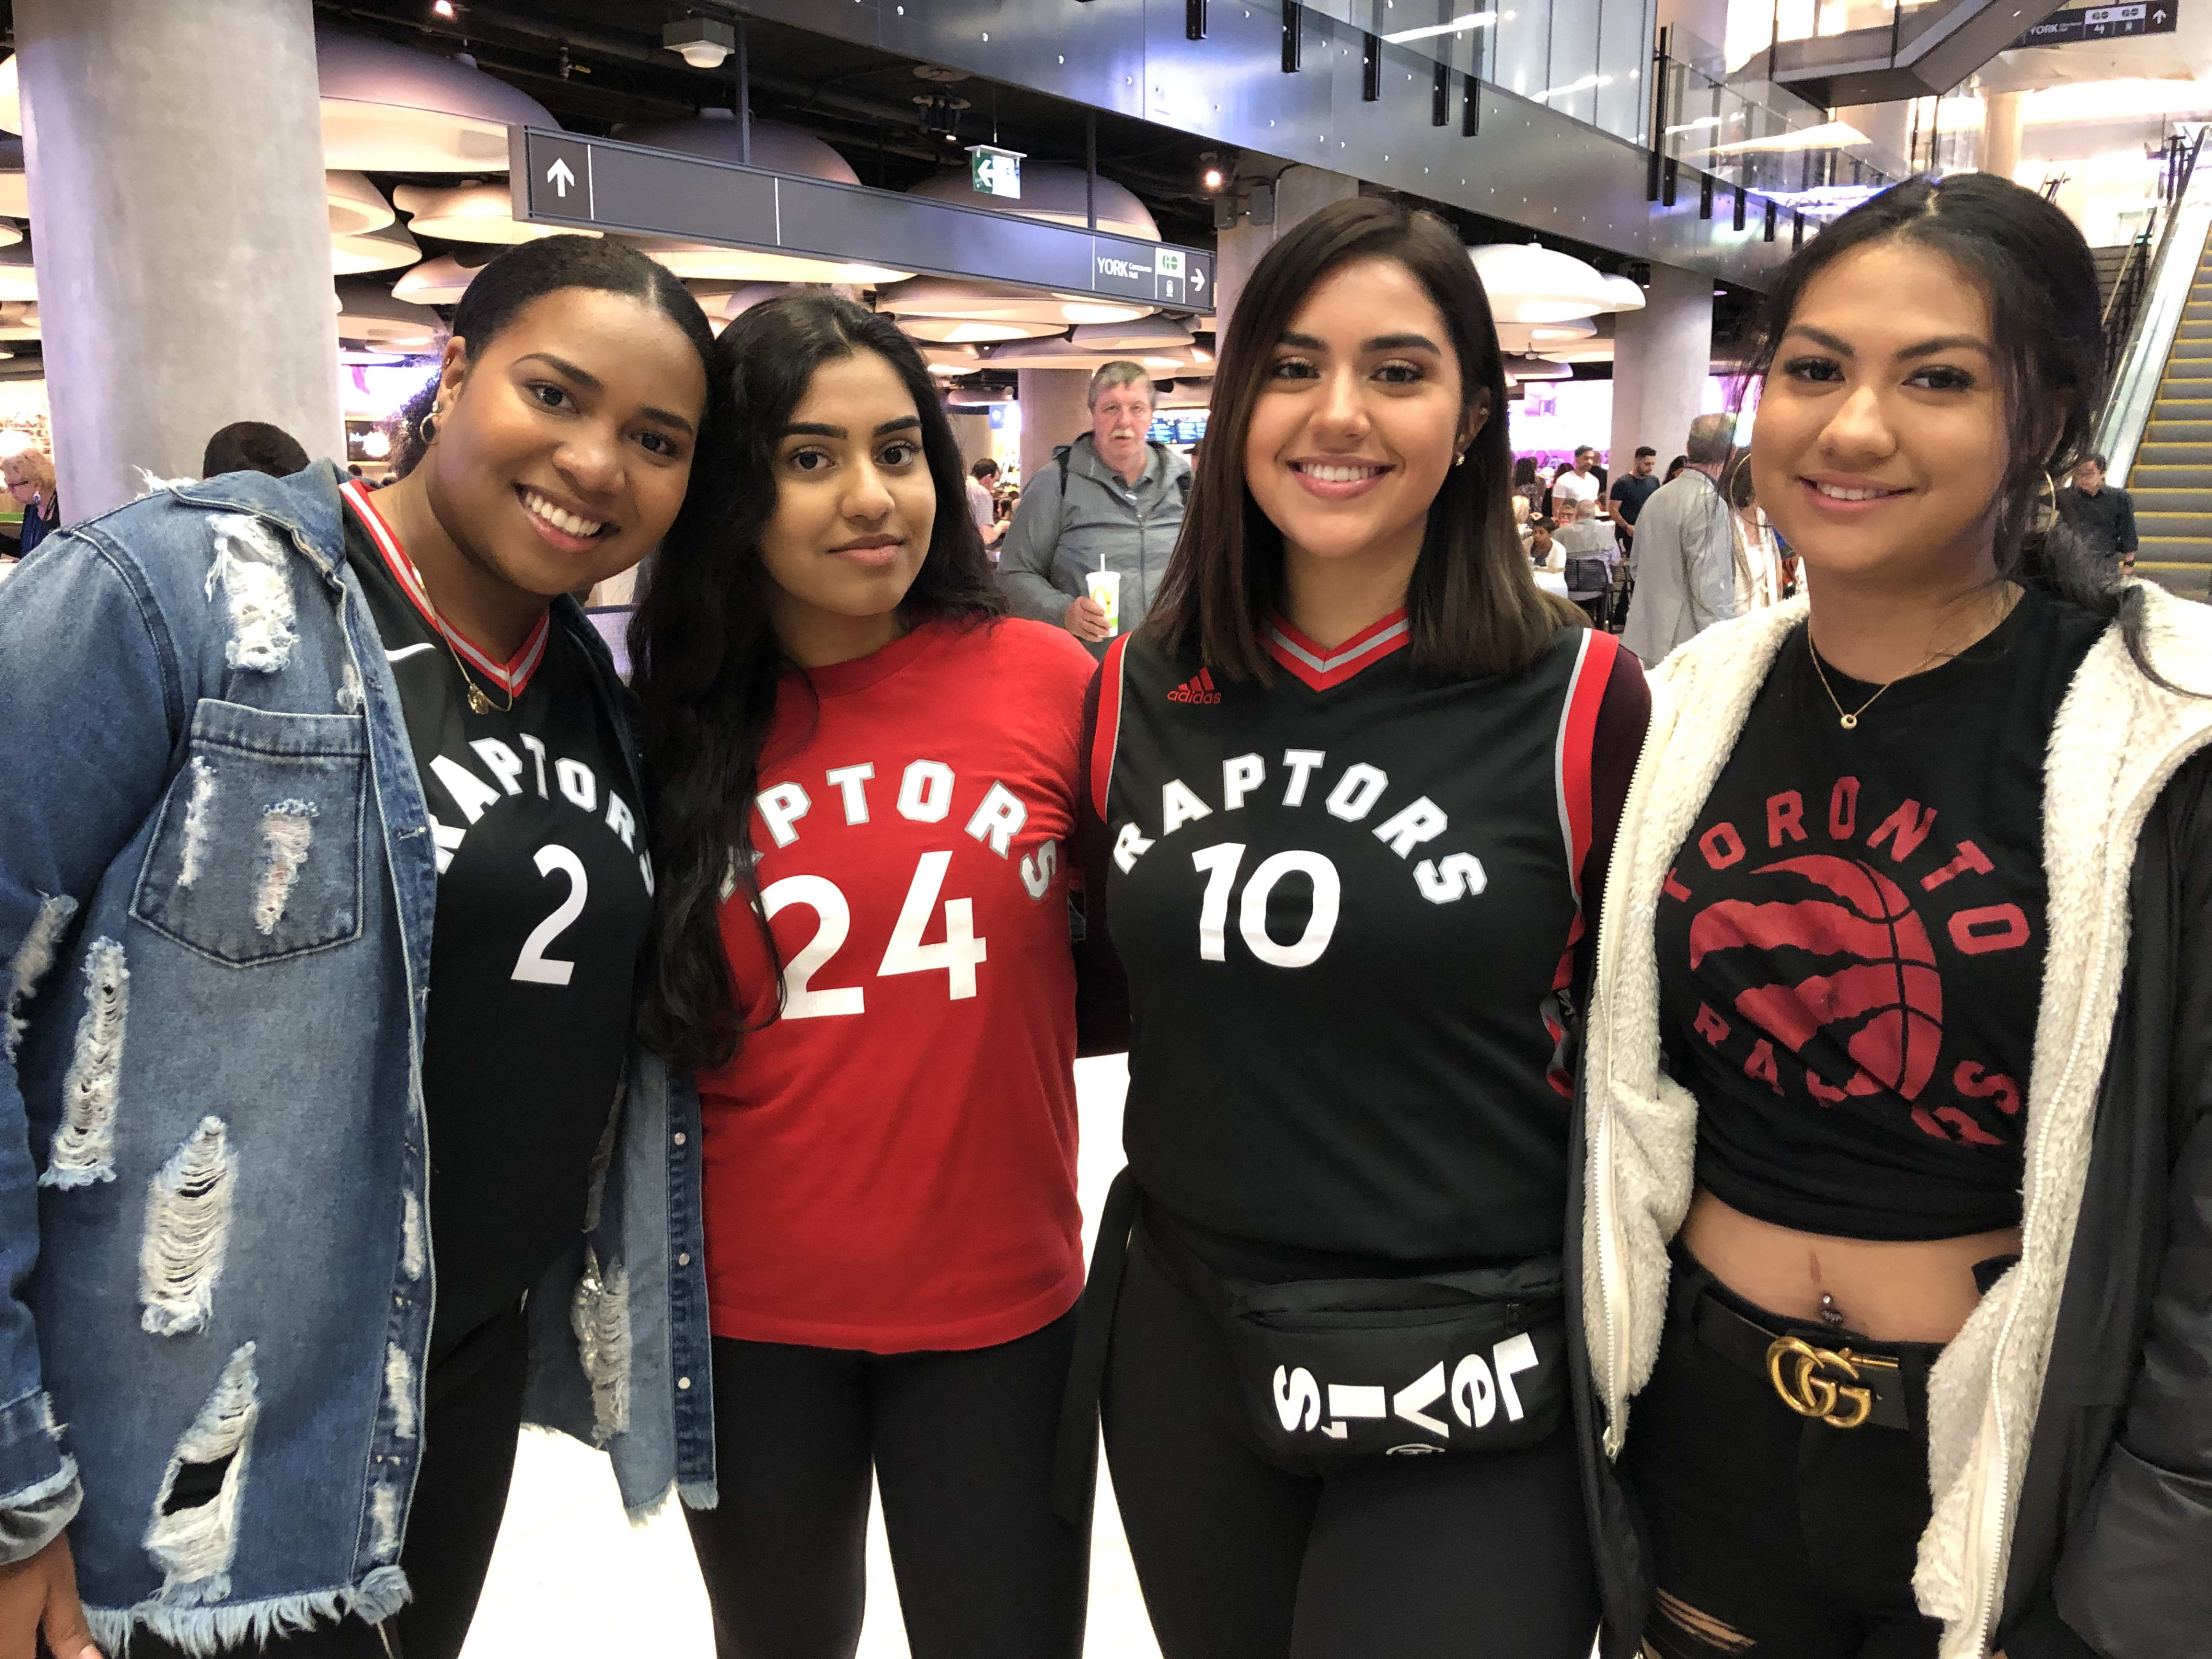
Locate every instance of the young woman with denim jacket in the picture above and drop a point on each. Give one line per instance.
(1899, 1235)
(321, 875)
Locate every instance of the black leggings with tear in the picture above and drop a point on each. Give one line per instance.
(1412, 1558)
(961, 1447)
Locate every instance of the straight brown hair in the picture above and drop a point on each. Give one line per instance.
(1472, 603)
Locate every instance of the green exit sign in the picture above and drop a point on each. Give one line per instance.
(995, 172)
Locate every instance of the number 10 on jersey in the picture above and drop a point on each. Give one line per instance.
(957, 954)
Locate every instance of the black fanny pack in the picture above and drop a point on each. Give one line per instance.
(1337, 1369)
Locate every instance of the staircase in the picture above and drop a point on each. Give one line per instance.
(2172, 477)
(2109, 261)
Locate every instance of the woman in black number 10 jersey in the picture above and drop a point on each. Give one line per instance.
(1357, 777)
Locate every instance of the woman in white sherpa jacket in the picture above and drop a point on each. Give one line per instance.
(1897, 1236)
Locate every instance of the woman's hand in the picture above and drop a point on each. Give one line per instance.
(38, 1595)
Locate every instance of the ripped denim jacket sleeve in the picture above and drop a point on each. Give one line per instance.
(75, 631)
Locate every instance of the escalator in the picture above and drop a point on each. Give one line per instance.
(2158, 421)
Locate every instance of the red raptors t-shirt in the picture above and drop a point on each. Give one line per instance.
(1851, 940)
(891, 1160)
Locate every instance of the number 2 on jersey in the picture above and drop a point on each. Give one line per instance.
(957, 954)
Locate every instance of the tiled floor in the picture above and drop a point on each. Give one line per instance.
(573, 1577)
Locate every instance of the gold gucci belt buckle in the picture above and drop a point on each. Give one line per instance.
(1823, 1384)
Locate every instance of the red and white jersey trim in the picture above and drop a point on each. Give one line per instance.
(1107, 739)
(1323, 666)
(509, 677)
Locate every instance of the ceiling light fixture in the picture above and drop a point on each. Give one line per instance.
(1474, 19)
(1212, 176)
(442, 9)
(700, 43)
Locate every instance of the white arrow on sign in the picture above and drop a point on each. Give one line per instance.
(1197, 278)
(560, 177)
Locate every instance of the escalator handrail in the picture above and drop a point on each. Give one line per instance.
(2143, 366)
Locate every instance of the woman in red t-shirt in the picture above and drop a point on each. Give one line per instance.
(867, 778)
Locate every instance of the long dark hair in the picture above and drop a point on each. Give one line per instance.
(1472, 602)
(2047, 327)
(708, 664)
(528, 272)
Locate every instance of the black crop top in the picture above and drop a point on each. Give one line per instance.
(1851, 940)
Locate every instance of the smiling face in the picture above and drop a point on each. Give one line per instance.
(854, 507)
(1119, 420)
(1883, 439)
(565, 444)
(1358, 417)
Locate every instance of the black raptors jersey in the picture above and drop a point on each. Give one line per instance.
(1348, 904)
(544, 894)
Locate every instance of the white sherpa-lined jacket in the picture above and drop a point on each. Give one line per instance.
(2071, 1422)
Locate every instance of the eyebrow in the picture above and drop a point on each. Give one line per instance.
(591, 382)
(1843, 348)
(1378, 343)
(819, 429)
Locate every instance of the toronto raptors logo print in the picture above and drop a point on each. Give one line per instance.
(1823, 971)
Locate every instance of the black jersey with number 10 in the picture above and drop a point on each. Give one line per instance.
(1349, 904)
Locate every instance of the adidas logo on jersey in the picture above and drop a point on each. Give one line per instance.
(1200, 688)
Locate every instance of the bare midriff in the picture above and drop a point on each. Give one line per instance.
(1917, 1291)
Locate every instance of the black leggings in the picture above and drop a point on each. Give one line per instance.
(1415, 1557)
(961, 1445)
(471, 1416)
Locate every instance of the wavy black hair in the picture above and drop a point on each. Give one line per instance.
(709, 664)
(1472, 602)
(2046, 320)
(528, 272)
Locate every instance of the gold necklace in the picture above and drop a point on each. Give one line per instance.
(479, 702)
(1848, 719)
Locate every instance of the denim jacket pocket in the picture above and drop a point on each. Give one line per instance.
(257, 853)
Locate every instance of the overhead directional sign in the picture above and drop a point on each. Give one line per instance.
(2103, 23)
(560, 178)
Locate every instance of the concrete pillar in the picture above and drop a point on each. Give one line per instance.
(971, 428)
(177, 203)
(1661, 357)
(1300, 192)
(2000, 124)
(1054, 412)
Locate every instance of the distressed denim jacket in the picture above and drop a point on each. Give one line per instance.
(216, 886)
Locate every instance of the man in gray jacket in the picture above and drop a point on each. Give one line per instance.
(1683, 554)
(1111, 500)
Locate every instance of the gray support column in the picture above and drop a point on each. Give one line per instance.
(1054, 412)
(177, 204)
(1300, 192)
(1661, 357)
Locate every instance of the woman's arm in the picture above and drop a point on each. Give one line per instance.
(90, 696)
(2134, 1580)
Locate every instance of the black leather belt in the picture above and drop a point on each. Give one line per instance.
(1843, 1387)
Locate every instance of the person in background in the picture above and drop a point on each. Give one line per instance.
(1685, 550)
(1578, 482)
(1527, 493)
(28, 473)
(983, 504)
(1543, 547)
(1592, 557)
(1630, 492)
(1674, 469)
(1112, 500)
(255, 446)
(2102, 515)
(1758, 577)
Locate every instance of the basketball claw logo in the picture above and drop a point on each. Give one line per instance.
(1845, 972)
